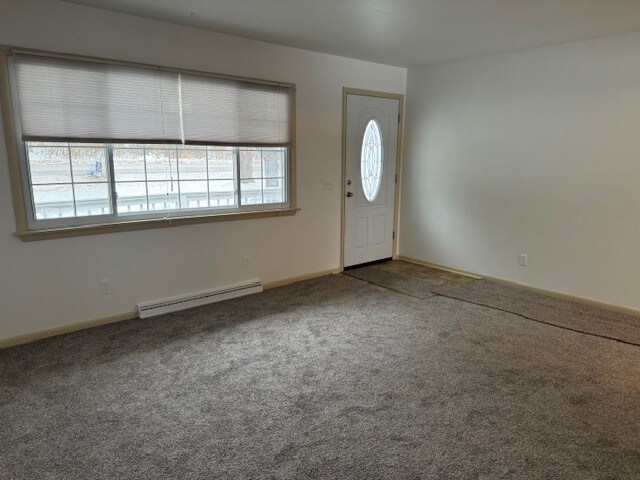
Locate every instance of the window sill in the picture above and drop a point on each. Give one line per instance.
(33, 235)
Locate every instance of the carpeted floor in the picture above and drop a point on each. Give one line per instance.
(542, 308)
(329, 378)
(407, 284)
(533, 306)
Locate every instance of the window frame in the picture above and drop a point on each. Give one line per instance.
(112, 181)
(29, 228)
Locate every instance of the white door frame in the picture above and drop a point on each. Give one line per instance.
(396, 201)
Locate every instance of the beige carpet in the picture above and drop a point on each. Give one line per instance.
(330, 378)
(580, 317)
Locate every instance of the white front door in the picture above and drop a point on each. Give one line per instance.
(371, 146)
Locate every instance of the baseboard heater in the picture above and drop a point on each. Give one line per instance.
(174, 304)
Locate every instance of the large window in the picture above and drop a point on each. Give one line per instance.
(103, 143)
(79, 180)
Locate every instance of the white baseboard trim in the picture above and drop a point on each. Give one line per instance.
(74, 327)
(552, 293)
(300, 278)
(440, 267)
(55, 331)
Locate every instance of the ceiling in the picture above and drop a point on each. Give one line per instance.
(397, 32)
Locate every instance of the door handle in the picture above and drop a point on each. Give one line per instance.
(349, 194)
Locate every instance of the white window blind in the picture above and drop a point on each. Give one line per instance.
(63, 99)
(234, 112)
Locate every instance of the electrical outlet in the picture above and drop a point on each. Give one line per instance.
(247, 261)
(327, 184)
(523, 259)
(105, 287)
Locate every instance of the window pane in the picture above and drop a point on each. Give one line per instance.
(152, 178)
(273, 162)
(92, 199)
(251, 191)
(128, 164)
(193, 163)
(89, 164)
(161, 164)
(49, 164)
(274, 190)
(53, 201)
(222, 193)
(371, 161)
(163, 195)
(250, 164)
(194, 194)
(132, 197)
(221, 162)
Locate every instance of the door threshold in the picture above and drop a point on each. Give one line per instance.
(367, 264)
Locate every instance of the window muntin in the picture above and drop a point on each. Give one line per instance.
(371, 160)
(95, 183)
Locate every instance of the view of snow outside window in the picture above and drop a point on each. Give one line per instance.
(75, 179)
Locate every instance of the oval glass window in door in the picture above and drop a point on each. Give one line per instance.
(371, 160)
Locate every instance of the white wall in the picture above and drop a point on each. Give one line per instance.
(56, 282)
(535, 152)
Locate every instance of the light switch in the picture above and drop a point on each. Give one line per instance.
(327, 184)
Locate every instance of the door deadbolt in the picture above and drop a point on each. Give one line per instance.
(348, 182)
